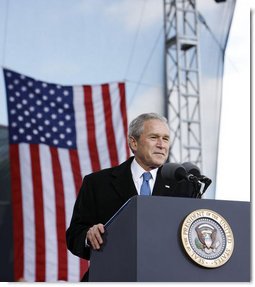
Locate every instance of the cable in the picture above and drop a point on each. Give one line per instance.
(135, 40)
(203, 21)
(143, 84)
(148, 61)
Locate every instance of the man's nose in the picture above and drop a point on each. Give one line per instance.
(160, 142)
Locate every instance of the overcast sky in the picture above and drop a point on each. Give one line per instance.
(19, 52)
(235, 126)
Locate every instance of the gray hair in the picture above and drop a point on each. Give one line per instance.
(136, 126)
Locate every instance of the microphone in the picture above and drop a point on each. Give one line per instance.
(193, 169)
(175, 171)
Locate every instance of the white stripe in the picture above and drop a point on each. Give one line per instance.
(73, 262)
(28, 212)
(119, 132)
(51, 249)
(100, 126)
(81, 130)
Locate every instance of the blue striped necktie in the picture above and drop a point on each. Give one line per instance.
(145, 188)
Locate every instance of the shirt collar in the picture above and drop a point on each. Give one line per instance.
(138, 171)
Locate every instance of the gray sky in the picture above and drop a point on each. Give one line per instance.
(74, 42)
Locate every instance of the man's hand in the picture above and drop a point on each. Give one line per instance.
(94, 235)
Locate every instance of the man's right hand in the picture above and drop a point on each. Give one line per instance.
(94, 236)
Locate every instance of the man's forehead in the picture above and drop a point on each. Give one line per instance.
(155, 123)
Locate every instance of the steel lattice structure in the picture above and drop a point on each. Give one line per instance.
(182, 79)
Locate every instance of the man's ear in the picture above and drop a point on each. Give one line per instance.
(132, 143)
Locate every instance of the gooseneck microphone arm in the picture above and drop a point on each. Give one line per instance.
(193, 169)
(207, 181)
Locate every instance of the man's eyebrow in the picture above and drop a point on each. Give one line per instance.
(158, 135)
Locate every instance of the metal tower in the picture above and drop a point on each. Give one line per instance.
(182, 102)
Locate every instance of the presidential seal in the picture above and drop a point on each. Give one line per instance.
(207, 238)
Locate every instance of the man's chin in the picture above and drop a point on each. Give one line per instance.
(158, 163)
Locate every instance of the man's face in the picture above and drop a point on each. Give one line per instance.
(152, 148)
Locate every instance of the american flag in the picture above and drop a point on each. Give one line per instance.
(57, 134)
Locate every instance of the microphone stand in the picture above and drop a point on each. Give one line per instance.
(196, 186)
(206, 181)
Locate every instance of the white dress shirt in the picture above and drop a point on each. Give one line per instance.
(137, 174)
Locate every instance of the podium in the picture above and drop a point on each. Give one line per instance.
(142, 243)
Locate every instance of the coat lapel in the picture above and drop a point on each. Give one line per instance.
(122, 180)
(161, 187)
(124, 185)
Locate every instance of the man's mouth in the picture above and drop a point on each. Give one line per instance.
(160, 153)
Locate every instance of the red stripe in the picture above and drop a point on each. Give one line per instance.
(76, 170)
(84, 265)
(94, 158)
(39, 217)
(123, 109)
(60, 215)
(18, 233)
(112, 147)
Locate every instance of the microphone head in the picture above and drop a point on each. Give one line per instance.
(173, 171)
(191, 168)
